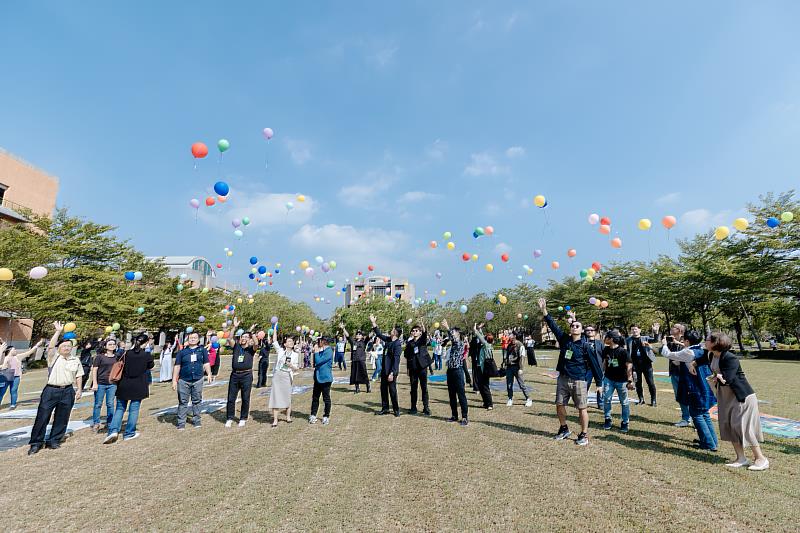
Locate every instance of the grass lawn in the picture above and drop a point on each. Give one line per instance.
(502, 472)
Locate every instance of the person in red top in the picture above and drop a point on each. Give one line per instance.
(504, 343)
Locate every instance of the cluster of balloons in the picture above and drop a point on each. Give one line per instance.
(605, 223)
(133, 276)
(598, 302)
(479, 231)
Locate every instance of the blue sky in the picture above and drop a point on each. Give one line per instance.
(399, 122)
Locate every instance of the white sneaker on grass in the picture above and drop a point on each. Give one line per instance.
(682, 424)
(510, 402)
(528, 402)
(242, 423)
(111, 438)
(312, 419)
(134, 436)
(228, 423)
(325, 420)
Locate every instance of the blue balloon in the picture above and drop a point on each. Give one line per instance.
(277, 271)
(262, 269)
(253, 260)
(252, 276)
(69, 335)
(221, 188)
(475, 234)
(130, 276)
(773, 222)
(215, 345)
(567, 307)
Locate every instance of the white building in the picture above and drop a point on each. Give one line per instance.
(379, 286)
(197, 269)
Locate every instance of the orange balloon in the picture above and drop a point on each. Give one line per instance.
(604, 304)
(616, 242)
(605, 229)
(210, 201)
(199, 150)
(668, 221)
(433, 244)
(571, 252)
(555, 265)
(222, 199)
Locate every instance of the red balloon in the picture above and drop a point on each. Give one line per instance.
(596, 266)
(199, 150)
(668, 221)
(370, 268)
(270, 283)
(605, 221)
(219, 265)
(465, 256)
(504, 258)
(210, 201)
(359, 273)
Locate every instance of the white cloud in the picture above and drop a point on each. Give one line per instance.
(437, 150)
(264, 210)
(484, 164)
(515, 151)
(418, 196)
(668, 198)
(703, 219)
(502, 248)
(299, 150)
(355, 248)
(365, 194)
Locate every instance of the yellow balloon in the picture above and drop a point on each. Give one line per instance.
(722, 232)
(69, 326)
(304, 264)
(787, 216)
(741, 224)
(539, 201)
(451, 245)
(435, 325)
(502, 298)
(230, 253)
(277, 265)
(301, 198)
(474, 257)
(250, 301)
(644, 224)
(489, 267)
(109, 329)
(443, 292)
(219, 334)
(239, 300)
(591, 272)
(6, 274)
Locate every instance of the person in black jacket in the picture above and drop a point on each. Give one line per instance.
(642, 357)
(241, 376)
(418, 360)
(390, 366)
(86, 361)
(132, 389)
(263, 360)
(739, 419)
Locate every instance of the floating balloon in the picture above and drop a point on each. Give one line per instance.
(137, 276)
(741, 224)
(504, 258)
(37, 272)
(489, 267)
(222, 199)
(69, 326)
(616, 242)
(597, 266)
(309, 272)
(489, 315)
(229, 253)
(238, 234)
(446, 235)
(195, 203)
(201, 319)
(451, 246)
(465, 257)
(129, 276)
(502, 299)
(300, 198)
(583, 273)
(594, 218)
(245, 220)
(537, 253)
(108, 329)
(219, 265)
(519, 315)
(591, 272)
(326, 267)
(443, 292)
(221, 188)
(179, 287)
(199, 150)
(289, 206)
(462, 309)
(433, 244)
(721, 233)
(605, 221)
(223, 145)
(370, 268)
(555, 265)
(205, 290)
(572, 252)
(668, 221)
(604, 304)
(605, 229)
(115, 326)
(645, 224)
(539, 200)
(331, 284)
(474, 257)
(787, 216)
(489, 230)
(262, 270)
(210, 201)
(69, 336)
(236, 222)
(268, 133)
(773, 222)
(592, 300)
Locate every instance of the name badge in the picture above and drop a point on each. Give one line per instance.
(416, 349)
(614, 362)
(568, 354)
(241, 359)
(193, 357)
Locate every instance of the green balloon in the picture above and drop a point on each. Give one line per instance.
(560, 308)
(245, 220)
(140, 310)
(179, 287)
(223, 145)
(525, 317)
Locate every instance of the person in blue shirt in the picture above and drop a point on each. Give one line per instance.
(323, 378)
(574, 359)
(191, 364)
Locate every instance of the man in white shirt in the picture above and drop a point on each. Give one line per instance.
(63, 389)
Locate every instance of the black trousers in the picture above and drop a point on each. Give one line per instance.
(455, 388)
(239, 382)
(325, 390)
(87, 371)
(419, 376)
(651, 386)
(389, 389)
(60, 400)
(482, 380)
(263, 366)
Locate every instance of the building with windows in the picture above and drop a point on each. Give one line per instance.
(379, 286)
(198, 271)
(24, 187)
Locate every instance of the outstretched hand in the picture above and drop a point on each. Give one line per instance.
(543, 305)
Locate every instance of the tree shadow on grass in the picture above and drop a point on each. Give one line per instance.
(656, 446)
(515, 429)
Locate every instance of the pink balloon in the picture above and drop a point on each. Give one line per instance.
(195, 203)
(594, 218)
(488, 230)
(268, 133)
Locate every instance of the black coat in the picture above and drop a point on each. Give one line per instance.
(421, 359)
(734, 376)
(133, 385)
(392, 350)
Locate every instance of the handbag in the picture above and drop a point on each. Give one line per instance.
(7, 374)
(116, 370)
(490, 367)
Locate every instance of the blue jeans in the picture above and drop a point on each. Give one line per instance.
(622, 393)
(675, 378)
(378, 366)
(705, 428)
(133, 417)
(437, 361)
(104, 392)
(13, 386)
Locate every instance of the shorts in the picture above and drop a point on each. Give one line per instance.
(567, 388)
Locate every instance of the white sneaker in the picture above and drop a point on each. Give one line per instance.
(510, 402)
(325, 420)
(759, 467)
(228, 423)
(312, 419)
(111, 438)
(242, 423)
(134, 436)
(738, 464)
(528, 402)
(682, 424)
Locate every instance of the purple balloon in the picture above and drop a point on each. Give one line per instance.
(326, 267)
(201, 319)
(214, 338)
(438, 275)
(537, 253)
(236, 222)
(195, 203)
(489, 315)
(274, 320)
(268, 133)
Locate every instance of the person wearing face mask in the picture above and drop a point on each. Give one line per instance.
(358, 359)
(642, 357)
(390, 366)
(418, 360)
(241, 380)
(286, 364)
(133, 387)
(63, 389)
(573, 360)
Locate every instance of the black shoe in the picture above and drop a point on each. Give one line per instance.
(382, 412)
(464, 422)
(412, 411)
(52, 445)
(368, 389)
(641, 401)
(34, 449)
(653, 403)
(426, 412)
(396, 414)
(453, 419)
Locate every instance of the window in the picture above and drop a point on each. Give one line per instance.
(2, 193)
